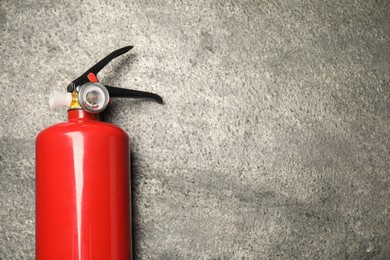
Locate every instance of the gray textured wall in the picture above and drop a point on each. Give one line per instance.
(274, 140)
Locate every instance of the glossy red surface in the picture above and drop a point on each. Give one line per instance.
(82, 191)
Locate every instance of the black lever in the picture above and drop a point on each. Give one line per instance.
(96, 68)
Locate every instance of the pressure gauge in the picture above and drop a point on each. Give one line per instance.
(93, 97)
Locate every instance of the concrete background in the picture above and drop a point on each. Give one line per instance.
(274, 139)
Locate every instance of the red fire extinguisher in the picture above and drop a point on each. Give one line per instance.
(82, 175)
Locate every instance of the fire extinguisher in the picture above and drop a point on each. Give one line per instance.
(82, 175)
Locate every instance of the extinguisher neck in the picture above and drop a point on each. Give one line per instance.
(81, 115)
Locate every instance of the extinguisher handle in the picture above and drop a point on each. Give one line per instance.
(130, 93)
(97, 67)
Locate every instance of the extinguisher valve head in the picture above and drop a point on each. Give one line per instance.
(59, 99)
(87, 93)
(93, 97)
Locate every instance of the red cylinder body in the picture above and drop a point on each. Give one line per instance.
(82, 191)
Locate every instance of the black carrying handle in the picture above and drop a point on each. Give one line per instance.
(130, 93)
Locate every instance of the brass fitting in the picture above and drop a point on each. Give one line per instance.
(75, 101)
